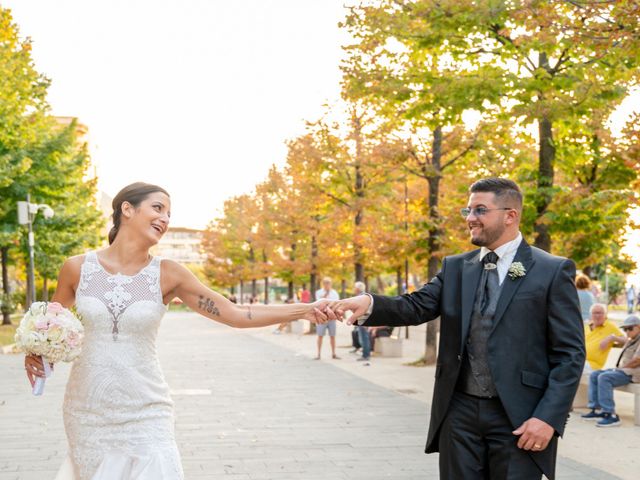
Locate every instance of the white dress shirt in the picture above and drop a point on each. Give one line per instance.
(506, 253)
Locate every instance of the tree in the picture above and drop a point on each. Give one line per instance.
(22, 109)
(554, 65)
(284, 210)
(316, 222)
(58, 177)
(234, 233)
(401, 67)
(356, 178)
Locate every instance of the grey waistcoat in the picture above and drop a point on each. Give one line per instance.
(475, 375)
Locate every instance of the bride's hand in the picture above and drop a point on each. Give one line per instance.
(317, 312)
(34, 368)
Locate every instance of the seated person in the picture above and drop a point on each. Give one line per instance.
(377, 332)
(602, 382)
(600, 335)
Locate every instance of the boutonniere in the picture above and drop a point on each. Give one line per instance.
(516, 270)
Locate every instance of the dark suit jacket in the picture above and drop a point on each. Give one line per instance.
(536, 347)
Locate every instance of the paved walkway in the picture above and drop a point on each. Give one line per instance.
(248, 409)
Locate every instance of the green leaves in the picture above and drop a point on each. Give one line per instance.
(41, 156)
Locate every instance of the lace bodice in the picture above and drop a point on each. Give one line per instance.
(117, 408)
(117, 291)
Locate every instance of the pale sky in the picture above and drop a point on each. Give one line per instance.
(197, 96)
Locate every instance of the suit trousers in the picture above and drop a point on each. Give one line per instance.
(476, 443)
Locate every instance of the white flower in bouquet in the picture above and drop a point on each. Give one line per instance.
(52, 332)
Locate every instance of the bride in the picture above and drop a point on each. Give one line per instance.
(118, 414)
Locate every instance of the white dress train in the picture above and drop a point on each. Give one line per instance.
(118, 413)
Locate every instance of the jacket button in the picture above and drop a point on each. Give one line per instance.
(459, 357)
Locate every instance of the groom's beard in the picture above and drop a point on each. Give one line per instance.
(487, 235)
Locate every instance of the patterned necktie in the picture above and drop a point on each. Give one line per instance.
(491, 280)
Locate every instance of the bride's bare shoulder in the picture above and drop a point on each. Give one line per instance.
(68, 280)
(72, 265)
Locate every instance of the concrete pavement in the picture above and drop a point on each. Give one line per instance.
(251, 405)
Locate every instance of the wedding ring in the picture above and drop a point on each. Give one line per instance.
(536, 446)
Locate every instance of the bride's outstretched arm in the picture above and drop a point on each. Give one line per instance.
(177, 281)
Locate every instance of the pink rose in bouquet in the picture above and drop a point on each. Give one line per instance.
(52, 332)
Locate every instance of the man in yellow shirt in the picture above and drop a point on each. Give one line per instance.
(600, 335)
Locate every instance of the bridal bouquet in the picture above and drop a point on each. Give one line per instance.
(52, 332)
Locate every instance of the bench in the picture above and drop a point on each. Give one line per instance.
(582, 396)
(296, 327)
(389, 346)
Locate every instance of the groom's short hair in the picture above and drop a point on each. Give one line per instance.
(507, 191)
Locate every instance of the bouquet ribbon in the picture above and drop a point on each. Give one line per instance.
(38, 386)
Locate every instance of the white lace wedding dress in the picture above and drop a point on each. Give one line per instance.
(118, 414)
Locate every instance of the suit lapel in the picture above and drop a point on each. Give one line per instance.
(471, 271)
(510, 285)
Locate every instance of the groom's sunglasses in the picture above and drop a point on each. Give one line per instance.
(479, 211)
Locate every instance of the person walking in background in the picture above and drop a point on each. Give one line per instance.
(600, 336)
(602, 382)
(305, 295)
(327, 293)
(363, 332)
(585, 297)
(631, 298)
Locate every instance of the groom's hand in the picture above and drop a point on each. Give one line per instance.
(358, 306)
(535, 434)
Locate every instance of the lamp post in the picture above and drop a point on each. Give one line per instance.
(26, 213)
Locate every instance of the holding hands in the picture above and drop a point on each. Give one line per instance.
(319, 312)
(337, 309)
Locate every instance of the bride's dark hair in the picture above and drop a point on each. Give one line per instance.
(134, 194)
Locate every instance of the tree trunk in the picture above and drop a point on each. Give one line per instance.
(313, 278)
(266, 290)
(241, 292)
(359, 191)
(254, 288)
(435, 233)
(343, 288)
(399, 280)
(546, 160)
(4, 254)
(45, 289)
(292, 257)
(546, 157)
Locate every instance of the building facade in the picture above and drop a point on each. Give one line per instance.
(183, 245)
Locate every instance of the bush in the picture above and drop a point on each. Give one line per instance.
(7, 304)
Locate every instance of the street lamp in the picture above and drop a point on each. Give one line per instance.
(26, 213)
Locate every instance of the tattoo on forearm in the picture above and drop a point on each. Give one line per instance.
(249, 313)
(208, 305)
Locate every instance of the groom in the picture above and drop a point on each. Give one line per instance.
(511, 344)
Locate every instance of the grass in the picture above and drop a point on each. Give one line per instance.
(421, 362)
(8, 331)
